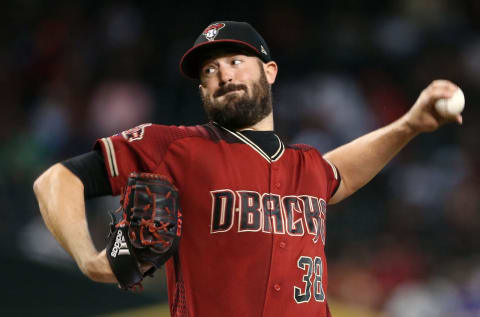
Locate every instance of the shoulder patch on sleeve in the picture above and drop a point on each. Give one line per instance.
(135, 134)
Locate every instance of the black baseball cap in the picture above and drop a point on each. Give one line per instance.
(230, 34)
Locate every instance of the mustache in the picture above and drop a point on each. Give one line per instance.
(228, 88)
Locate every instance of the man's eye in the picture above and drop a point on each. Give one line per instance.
(209, 70)
(236, 61)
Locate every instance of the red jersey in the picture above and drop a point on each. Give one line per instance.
(253, 225)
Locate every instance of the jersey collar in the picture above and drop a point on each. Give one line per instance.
(273, 158)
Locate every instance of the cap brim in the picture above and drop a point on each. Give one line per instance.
(190, 62)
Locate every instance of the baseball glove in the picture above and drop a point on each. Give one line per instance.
(145, 230)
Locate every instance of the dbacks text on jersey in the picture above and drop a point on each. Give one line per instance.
(292, 215)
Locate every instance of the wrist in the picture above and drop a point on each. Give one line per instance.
(97, 268)
(407, 126)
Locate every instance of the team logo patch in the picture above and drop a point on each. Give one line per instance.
(136, 133)
(212, 30)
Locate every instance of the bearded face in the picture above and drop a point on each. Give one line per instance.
(238, 106)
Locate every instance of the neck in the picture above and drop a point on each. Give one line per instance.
(266, 124)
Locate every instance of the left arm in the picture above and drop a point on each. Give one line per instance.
(363, 158)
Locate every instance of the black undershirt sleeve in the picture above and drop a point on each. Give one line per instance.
(339, 181)
(90, 169)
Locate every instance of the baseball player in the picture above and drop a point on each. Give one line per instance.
(254, 208)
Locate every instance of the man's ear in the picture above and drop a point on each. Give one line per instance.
(201, 90)
(271, 70)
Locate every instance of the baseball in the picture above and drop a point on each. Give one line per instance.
(451, 107)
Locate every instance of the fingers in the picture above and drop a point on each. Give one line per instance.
(441, 88)
(459, 119)
(423, 116)
(443, 83)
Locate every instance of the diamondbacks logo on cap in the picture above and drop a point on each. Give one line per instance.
(211, 31)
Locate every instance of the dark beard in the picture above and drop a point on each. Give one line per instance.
(240, 112)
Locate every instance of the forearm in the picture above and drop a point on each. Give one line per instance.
(360, 160)
(60, 198)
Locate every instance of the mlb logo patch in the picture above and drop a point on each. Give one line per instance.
(212, 30)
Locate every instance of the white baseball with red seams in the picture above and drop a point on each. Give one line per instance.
(451, 107)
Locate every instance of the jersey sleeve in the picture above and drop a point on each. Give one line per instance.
(333, 177)
(330, 173)
(140, 149)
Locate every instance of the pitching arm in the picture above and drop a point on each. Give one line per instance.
(360, 160)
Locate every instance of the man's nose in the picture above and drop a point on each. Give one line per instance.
(225, 75)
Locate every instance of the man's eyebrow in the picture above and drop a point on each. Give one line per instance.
(207, 60)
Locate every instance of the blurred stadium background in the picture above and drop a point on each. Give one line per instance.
(407, 245)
